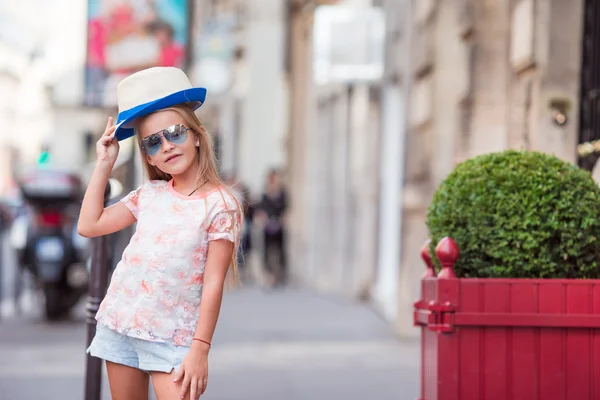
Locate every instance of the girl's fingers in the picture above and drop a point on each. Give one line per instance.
(111, 133)
(105, 140)
(204, 385)
(108, 123)
(194, 389)
(109, 128)
(179, 374)
(185, 385)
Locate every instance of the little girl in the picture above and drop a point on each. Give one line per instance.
(163, 302)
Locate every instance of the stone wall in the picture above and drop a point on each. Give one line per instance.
(485, 74)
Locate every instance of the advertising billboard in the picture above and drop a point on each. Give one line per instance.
(125, 36)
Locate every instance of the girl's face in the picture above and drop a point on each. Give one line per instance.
(175, 156)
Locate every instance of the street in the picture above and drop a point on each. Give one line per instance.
(269, 345)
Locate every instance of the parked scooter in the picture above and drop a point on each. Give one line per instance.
(46, 239)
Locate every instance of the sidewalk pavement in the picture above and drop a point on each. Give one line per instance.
(288, 344)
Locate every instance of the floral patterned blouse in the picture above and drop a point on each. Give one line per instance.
(155, 290)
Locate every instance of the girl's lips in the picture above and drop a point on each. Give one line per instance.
(173, 157)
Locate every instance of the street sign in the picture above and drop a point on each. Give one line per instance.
(348, 44)
(44, 158)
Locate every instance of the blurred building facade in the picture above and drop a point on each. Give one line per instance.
(461, 78)
(345, 164)
(244, 73)
(24, 108)
(363, 159)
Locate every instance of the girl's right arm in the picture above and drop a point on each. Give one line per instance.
(94, 219)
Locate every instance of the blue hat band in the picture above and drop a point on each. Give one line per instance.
(126, 117)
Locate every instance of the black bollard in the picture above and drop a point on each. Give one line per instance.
(96, 292)
(3, 266)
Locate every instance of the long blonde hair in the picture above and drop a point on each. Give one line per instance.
(207, 172)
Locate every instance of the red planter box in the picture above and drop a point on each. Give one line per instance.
(509, 339)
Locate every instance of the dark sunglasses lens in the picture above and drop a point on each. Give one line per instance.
(176, 134)
(152, 144)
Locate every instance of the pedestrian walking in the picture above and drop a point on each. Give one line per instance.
(162, 305)
(273, 208)
(5, 220)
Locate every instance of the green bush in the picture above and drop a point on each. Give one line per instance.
(519, 214)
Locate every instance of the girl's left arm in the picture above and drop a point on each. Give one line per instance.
(194, 369)
(218, 259)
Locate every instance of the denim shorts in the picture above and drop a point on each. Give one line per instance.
(147, 356)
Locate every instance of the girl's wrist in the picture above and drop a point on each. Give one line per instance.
(200, 347)
(197, 339)
(104, 165)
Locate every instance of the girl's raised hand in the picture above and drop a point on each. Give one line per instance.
(107, 148)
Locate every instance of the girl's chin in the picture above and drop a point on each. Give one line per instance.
(177, 169)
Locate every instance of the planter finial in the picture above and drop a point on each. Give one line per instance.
(426, 256)
(447, 252)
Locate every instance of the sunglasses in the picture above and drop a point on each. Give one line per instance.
(176, 134)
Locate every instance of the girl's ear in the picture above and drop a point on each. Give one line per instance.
(150, 161)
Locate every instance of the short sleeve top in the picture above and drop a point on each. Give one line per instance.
(155, 289)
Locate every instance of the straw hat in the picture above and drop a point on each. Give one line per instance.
(150, 90)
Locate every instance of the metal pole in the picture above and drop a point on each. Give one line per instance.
(97, 289)
(3, 267)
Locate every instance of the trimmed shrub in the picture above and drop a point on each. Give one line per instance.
(519, 214)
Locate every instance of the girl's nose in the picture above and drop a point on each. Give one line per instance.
(166, 145)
